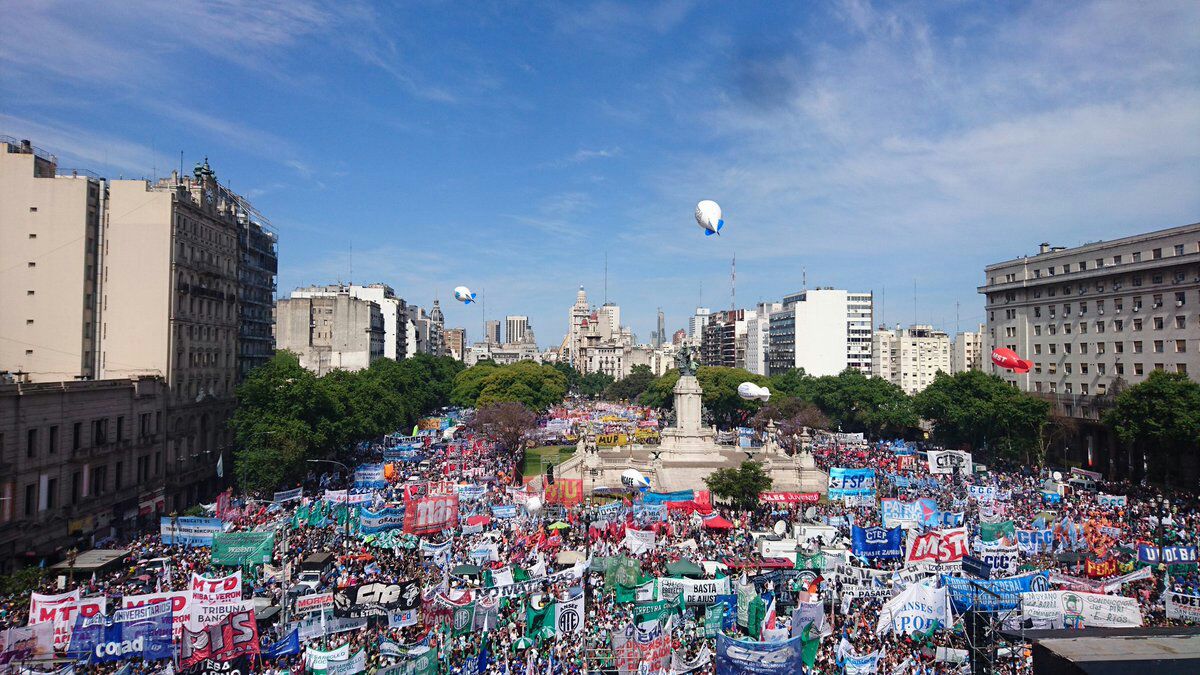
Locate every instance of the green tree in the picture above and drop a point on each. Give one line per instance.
(468, 384)
(740, 486)
(792, 382)
(854, 402)
(630, 387)
(593, 384)
(720, 396)
(568, 372)
(535, 386)
(1161, 418)
(984, 412)
(506, 423)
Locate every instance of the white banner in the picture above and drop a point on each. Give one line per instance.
(569, 616)
(640, 541)
(181, 606)
(950, 461)
(314, 602)
(695, 591)
(982, 493)
(1183, 607)
(60, 611)
(214, 599)
(914, 610)
(1003, 560)
(1112, 501)
(1070, 609)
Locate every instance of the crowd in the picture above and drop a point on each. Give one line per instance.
(432, 557)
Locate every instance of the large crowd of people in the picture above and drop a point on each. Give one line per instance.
(432, 556)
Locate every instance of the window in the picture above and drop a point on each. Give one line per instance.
(77, 436)
(1082, 326)
(1137, 346)
(1116, 260)
(1037, 386)
(1181, 368)
(1066, 268)
(1137, 257)
(1067, 367)
(1052, 311)
(1138, 370)
(53, 439)
(1156, 254)
(1119, 368)
(1067, 388)
(1053, 387)
(1083, 347)
(1158, 366)
(1067, 348)
(99, 480)
(1099, 262)
(1037, 312)
(1158, 323)
(99, 432)
(1178, 249)
(1119, 304)
(1053, 348)
(1118, 325)
(1037, 330)
(1037, 274)
(51, 493)
(1180, 299)
(1100, 368)
(1066, 308)
(1037, 349)
(1137, 280)
(1156, 278)
(120, 432)
(1099, 347)
(76, 487)
(1119, 347)
(1067, 328)
(1137, 324)
(1099, 326)
(1158, 300)
(30, 498)
(1082, 265)
(1083, 389)
(117, 477)
(1053, 328)
(1181, 322)
(31, 441)
(1180, 346)
(1052, 368)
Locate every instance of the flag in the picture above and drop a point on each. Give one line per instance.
(769, 616)
(221, 465)
(538, 616)
(809, 645)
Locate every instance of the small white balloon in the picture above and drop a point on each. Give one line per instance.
(464, 295)
(709, 217)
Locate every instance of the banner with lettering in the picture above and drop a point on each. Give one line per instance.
(977, 594)
(1070, 609)
(1169, 555)
(1001, 560)
(234, 636)
(214, 599)
(633, 648)
(1099, 569)
(667, 497)
(790, 497)
(1112, 501)
(61, 611)
(374, 522)
(844, 482)
(937, 547)
(369, 476)
(189, 531)
(1182, 607)
(180, 601)
(950, 462)
(695, 591)
(236, 549)
(876, 542)
(1033, 542)
(916, 609)
(142, 633)
(895, 512)
(430, 508)
(294, 494)
(982, 493)
(745, 657)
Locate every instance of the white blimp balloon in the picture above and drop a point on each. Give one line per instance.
(634, 479)
(752, 392)
(708, 217)
(464, 295)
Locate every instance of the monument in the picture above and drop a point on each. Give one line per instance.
(689, 451)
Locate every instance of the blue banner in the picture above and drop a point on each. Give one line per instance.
(743, 657)
(851, 482)
(189, 531)
(141, 633)
(664, 497)
(923, 511)
(876, 542)
(946, 519)
(285, 647)
(730, 618)
(505, 511)
(655, 512)
(968, 594)
(1033, 542)
(1170, 555)
(1051, 498)
(369, 476)
(373, 522)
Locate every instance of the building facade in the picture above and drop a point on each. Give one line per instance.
(1095, 318)
(330, 332)
(823, 330)
(910, 357)
(516, 329)
(758, 336)
(967, 351)
(491, 333)
(456, 340)
(393, 309)
(258, 264)
(723, 340)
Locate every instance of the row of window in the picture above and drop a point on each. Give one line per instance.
(1100, 368)
(1179, 276)
(1158, 346)
(1178, 322)
(37, 500)
(36, 441)
(1099, 263)
(1101, 388)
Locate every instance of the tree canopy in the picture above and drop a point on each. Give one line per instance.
(1161, 417)
(720, 393)
(630, 387)
(740, 486)
(506, 423)
(533, 385)
(593, 384)
(983, 411)
(286, 415)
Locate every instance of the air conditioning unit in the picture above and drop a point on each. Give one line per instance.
(1137, 309)
(1157, 305)
(1179, 303)
(1081, 312)
(1101, 312)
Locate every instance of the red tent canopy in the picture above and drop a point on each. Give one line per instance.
(718, 523)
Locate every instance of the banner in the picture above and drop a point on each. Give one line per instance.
(316, 660)
(844, 482)
(982, 493)
(142, 633)
(180, 601)
(1033, 542)
(1099, 569)
(667, 497)
(376, 599)
(234, 636)
(213, 599)
(1168, 555)
(790, 497)
(743, 657)
(1113, 585)
(62, 610)
(950, 462)
(357, 663)
(1112, 501)
(916, 609)
(369, 476)
(973, 594)
(189, 531)
(895, 512)
(565, 492)
(313, 602)
(507, 511)
(374, 522)
(876, 542)
(1001, 560)
(1002, 531)
(237, 549)
(520, 588)
(430, 508)
(937, 546)
(862, 665)
(569, 617)
(695, 591)
(640, 541)
(289, 495)
(1070, 609)
(1182, 607)
(632, 648)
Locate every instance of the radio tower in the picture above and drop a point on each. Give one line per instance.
(733, 283)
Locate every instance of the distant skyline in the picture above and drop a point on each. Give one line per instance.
(507, 148)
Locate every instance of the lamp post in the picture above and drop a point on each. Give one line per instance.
(348, 471)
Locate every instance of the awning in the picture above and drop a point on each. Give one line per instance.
(718, 523)
(95, 560)
(684, 568)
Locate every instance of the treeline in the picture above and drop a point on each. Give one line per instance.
(287, 415)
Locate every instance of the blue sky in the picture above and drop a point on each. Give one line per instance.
(508, 146)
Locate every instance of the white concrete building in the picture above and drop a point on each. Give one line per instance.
(393, 309)
(910, 357)
(966, 352)
(758, 336)
(824, 331)
(697, 322)
(516, 329)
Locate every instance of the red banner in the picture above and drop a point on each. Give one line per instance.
(430, 508)
(564, 492)
(1098, 569)
(938, 546)
(790, 497)
(236, 635)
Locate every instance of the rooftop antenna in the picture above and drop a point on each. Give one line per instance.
(181, 166)
(701, 295)
(606, 277)
(883, 308)
(804, 278)
(914, 319)
(956, 317)
(733, 283)
(351, 281)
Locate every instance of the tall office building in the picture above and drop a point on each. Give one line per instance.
(660, 334)
(966, 353)
(758, 336)
(822, 331)
(456, 342)
(910, 357)
(492, 333)
(1095, 318)
(697, 322)
(516, 329)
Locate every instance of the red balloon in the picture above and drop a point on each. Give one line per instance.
(1008, 359)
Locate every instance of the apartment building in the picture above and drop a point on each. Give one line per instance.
(330, 332)
(823, 330)
(456, 342)
(910, 357)
(966, 352)
(394, 309)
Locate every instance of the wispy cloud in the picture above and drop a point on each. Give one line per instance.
(80, 148)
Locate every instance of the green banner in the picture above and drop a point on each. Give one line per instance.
(994, 531)
(424, 664)
(714, 618)
(238, 549)
(622, 571)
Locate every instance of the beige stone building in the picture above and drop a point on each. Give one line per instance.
(1094, 318)
(966, 353)
(456, 341)
(330, 331)
(910, 357)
